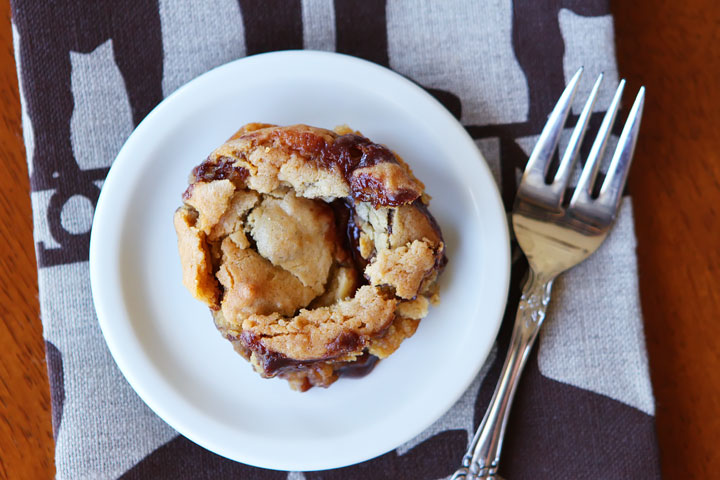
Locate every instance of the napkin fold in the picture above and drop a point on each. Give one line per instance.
(89, 72)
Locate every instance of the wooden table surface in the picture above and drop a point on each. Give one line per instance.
(671, 47)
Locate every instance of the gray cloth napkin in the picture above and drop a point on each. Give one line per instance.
(89, 73)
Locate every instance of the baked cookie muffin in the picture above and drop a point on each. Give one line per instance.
(314, 250)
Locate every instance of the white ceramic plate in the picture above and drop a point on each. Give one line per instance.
(165, 342)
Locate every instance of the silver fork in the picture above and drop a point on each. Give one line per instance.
(554, 238)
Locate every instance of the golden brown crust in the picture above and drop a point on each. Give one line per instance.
(319, 163)
(342, 329)
(400, 329)
(195, 258)
(249, 127)
(410, 223)
(283, 271)
(415, 309)
(402, 268)
(211, 200)
(232, 219)
(270, 162)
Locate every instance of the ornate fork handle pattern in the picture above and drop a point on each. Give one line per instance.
(483, 455)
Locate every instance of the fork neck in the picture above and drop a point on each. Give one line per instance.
(533, 302)
(537, 283)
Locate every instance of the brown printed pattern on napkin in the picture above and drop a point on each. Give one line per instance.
(49, 31)
(556, 431)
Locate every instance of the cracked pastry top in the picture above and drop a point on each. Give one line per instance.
(314, 250)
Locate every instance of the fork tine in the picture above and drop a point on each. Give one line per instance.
(589, 172)
(568, 161)
(612, 188)
(542, 153)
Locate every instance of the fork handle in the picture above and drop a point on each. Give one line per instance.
(482, 458)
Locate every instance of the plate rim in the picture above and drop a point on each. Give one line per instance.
(99, 294)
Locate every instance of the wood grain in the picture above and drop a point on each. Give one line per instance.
(671, 47)
(26, 442)
(674, 49)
